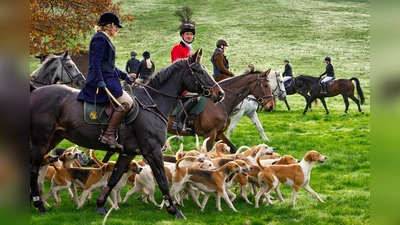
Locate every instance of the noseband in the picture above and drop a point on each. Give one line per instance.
(261, 98)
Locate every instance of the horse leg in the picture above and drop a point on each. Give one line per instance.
(221, 136)
(346, 103)
(120, 166)
(287, 104)
(308, 104)
(156, 162)
(254, 118)
(324, 104)
(357, 102)
(107, 156)
(234, 121)
(36, 160)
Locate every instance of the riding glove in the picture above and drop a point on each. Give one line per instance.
(129, 79)
(101, 85)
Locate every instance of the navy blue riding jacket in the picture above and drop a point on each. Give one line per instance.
(102, 68)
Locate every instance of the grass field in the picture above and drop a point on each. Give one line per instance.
(264, 33)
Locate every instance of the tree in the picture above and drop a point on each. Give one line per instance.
(59, 25)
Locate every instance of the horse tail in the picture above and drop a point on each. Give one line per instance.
(359, 90)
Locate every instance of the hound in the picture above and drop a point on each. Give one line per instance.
(295, 175)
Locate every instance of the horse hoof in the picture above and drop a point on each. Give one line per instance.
(42, 209)
(101, 210)
(179, 215)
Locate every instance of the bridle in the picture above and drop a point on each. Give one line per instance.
(54, 81)
(205, 92)
(70, 76)
(261, 98)
(281, 92)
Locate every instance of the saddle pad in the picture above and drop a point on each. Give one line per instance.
(288, 83)
(98, 115)
(196, 110)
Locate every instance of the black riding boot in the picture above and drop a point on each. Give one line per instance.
(182, 114)
(109, 135)
(323, 91)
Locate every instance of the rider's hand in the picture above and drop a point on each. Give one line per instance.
(129, 79)
(101, 85)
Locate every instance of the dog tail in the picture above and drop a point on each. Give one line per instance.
(258, 156)
(204, 147)
(183, 158)
(239, 150)
(180, 153)
(168, 145)
(95, 158)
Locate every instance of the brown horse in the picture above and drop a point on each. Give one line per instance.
(214, 120)
(345, 87)
(55, 114)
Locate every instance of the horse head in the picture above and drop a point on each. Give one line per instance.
(278, 87)
(69, 73)
(263, 92)
(205, 84)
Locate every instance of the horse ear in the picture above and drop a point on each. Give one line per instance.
(199, 55)
(65, 54)
(266, 73)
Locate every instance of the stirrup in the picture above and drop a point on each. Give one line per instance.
(106, 140)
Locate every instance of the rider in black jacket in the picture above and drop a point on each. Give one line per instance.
(330, 74)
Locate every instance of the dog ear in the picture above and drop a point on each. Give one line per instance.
(62, 158)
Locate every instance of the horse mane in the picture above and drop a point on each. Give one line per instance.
(165, 73)
(49, 60)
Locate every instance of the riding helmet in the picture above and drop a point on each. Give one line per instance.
(146, 55)
(221, 42)
(187, 27)
(133, 53)
(107, 18)
(286, 60)
(328, 58)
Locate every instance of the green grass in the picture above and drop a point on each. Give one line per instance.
(263, 33)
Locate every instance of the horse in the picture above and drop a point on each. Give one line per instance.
(214, 119)
(56, 114)
(345, 87)
(58, 69)
(249, 106)
(291, 89)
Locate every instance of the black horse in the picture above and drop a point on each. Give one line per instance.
(291, 89)
(345, 87)
(56, 114)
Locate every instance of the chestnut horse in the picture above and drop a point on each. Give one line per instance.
(55, 114)
(214, 120)
(344, 87)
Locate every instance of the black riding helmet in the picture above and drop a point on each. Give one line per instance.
(187, 27)
(107, 18)
(328, 58)
(221, 42)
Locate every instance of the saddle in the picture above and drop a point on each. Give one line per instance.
(329, 83)
(100, 113)
(288, 83)
(195, 110)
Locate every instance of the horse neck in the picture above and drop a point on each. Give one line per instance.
(165, 93)
(308, 80)
(236, 89)
(274, 84)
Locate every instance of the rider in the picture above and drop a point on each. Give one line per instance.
(183, 50)
(330, 74)
(287, 75)
(103, 76)
(220, 62)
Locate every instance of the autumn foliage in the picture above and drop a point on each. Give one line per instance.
(59, 25)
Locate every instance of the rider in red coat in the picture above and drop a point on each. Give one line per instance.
(182, 50)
